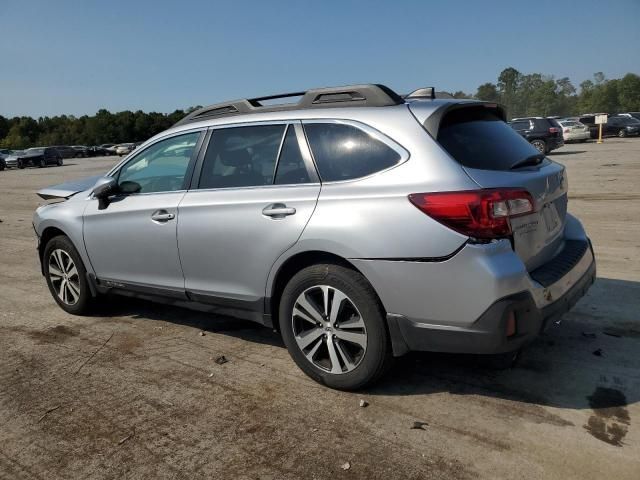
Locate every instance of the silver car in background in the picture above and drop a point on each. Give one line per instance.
(358, 223)
(574, 131)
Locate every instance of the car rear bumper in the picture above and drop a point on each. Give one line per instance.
(461, 305)
(488, 334)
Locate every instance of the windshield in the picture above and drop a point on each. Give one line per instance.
(35, 150)
(477, 138)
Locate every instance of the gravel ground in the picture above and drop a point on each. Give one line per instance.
(135, 392)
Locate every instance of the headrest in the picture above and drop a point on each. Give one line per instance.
(235, 158)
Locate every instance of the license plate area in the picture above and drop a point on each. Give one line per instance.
(550, 217)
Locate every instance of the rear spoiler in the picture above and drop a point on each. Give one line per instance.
(433, 121)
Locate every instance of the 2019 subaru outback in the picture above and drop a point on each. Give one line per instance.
(358, 223)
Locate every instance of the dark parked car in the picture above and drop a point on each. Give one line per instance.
(622, 126)
(635, 115)
(81, 150)
(101, 150)
(545, 134)
(4, 153)
(35, 157)
(66, 151)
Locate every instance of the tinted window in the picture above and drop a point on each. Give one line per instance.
(291, 167)
(477, 138)
(344, 152)
(522, 125)
(160, 167)
(241, 156)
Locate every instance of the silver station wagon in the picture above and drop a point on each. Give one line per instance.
(358, 223)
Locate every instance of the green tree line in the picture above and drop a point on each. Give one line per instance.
(532, 94)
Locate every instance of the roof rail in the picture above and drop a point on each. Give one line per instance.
(367, 95)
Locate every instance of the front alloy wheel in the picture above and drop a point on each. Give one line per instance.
(329, 329)
(64, 277)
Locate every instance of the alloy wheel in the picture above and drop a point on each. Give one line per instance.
(329, 329)
(64, 277)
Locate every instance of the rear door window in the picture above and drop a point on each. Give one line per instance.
(242, 156)
(345, 152)
(520, 125)
(477, 138)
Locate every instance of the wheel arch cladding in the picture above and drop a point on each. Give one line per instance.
(47, 234)
(296, 263)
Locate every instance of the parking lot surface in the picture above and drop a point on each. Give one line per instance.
(136, 392)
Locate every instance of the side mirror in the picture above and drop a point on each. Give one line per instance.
(104, 187)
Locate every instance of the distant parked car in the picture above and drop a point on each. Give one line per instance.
(635, 115)
(545, 134)
(574, 131)
(81, 150)
(66, 151)
(34, 157)
(622, 126)
(125, 148)
(4, 153)
(110, 147)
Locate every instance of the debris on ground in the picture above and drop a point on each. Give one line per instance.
(48, 412)
(612, 333)
(210, 375)
(589, 334)
(345, 466)
(598, 352)
(419, 425)
(126, 438)
(364, 403)
(201, 334)
(221, 360)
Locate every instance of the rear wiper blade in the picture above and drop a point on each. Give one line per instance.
(530, 160)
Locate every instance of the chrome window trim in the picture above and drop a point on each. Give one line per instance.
(388, 141)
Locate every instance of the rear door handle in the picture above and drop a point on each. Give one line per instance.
(278, 210)
(162, 216)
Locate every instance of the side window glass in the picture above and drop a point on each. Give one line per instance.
(291, 168)
(241, 156)
(345, 152)
(160, 167)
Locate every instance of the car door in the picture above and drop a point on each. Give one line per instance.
(132, 241)
(257, 189)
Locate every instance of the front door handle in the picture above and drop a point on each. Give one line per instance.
(278, 210)
(162, 216)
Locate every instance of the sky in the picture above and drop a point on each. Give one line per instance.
(75, 57)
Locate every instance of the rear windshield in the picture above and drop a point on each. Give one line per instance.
(477, 138)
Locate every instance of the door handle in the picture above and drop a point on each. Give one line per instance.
(162, 216)
(278, 210)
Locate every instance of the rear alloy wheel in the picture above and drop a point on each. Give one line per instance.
(334, 327)
(59, 162)
(66, 276)
(42, 163)
(622, 133)
(539, 145)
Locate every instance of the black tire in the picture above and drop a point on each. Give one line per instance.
(85, 300)
(622, 133)
(20, 164)
(42, 163)
(59, 162)
(376, 358)
(539, 145)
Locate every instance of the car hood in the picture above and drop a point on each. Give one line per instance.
(68, 189)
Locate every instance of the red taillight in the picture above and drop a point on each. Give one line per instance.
(553, 130)
(476, 213)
